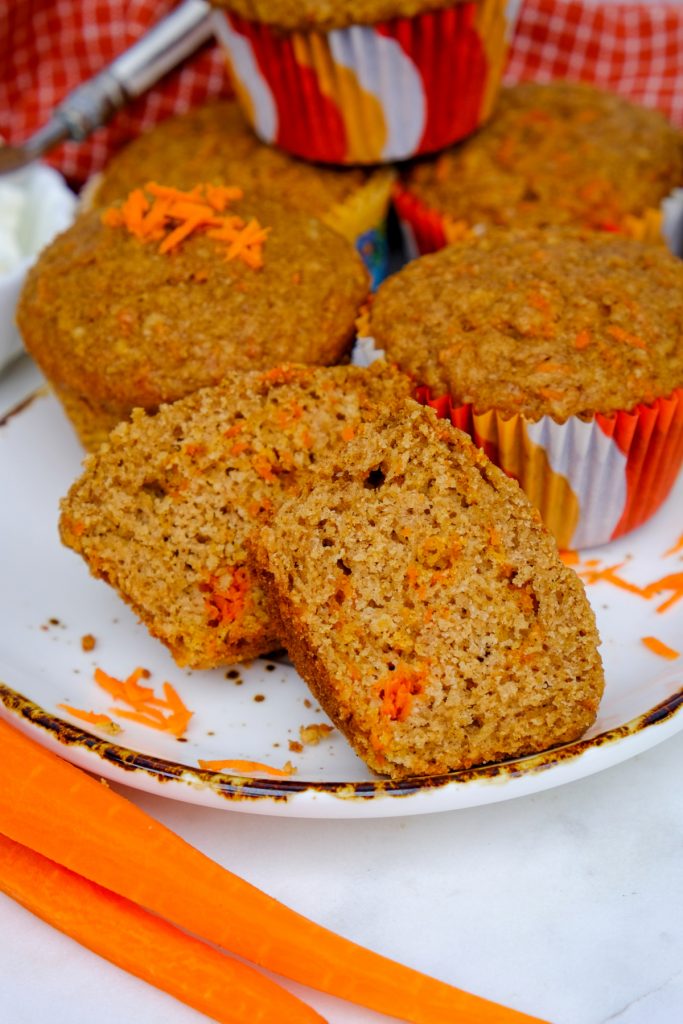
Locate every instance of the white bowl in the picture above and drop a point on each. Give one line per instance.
(48, 208)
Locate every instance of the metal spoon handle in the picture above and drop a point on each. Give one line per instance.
(162, 48)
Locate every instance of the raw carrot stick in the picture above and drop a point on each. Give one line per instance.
(60, 811)
(142, 944)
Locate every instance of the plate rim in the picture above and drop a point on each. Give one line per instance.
(249, 793)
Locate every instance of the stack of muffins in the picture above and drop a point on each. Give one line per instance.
(218, 265)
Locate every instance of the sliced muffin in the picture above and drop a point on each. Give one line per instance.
(162, 511)
(426, 606)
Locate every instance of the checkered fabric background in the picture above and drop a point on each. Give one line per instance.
(47, 47)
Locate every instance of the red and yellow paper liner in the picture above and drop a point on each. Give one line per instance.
(426, 229)
(592, 481)
(369, 94)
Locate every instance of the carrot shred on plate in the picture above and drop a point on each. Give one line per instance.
(167, 714)
(111, 841)
(660, 648)
(92, 718)
(239, 766)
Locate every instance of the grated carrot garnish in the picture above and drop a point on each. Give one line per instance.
(148, 708)
(160, 213)
(582, 339)
(673, 583)
(678, 546)
(660, 648)
(246, 767)
(609, 575)
(92, 717)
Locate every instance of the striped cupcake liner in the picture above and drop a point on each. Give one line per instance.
(591, 480)
(426, 229)
(369, 94)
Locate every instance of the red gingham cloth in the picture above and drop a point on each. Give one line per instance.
(47, 47)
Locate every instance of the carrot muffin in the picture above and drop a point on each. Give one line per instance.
(562, 350)
(214, 143)
(426, 606)
(364, 81)
(168, 292)
(161, 512)
(562, 153)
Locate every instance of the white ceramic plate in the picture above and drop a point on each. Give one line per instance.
(48, 602)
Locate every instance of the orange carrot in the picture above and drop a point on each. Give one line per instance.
(246, 766)
(660, 648)
(92, 718)
(142, 944)
(60, 811)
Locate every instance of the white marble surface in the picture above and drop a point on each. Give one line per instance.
(567, 904)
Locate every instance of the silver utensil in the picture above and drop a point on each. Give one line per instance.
(94, 102)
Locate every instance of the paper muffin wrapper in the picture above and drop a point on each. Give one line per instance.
(426, 229)
(592, 480)
(369, 94)
(362, 219)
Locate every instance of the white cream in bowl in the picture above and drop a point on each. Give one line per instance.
(35, 205)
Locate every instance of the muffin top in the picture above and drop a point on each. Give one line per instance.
(214, 143)
(558, 322)
(129, 316)
(562, 153)
(328, 14)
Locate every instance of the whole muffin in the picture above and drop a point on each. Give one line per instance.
(120, 312)
(364, 81)
(214, 143)
(561, 352)
(561, 153)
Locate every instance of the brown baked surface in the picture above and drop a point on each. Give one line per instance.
(426, 606)
(560, 153)
(113, 323)
(323, 15)
(214, 143)
(162, 510)
(558, 322)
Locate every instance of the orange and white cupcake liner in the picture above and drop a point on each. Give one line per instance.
(591, 480)
(369, 94)
(426, 229)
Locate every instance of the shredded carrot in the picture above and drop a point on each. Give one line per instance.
(167, 714)
(582, 339)
(348, 433)
(621, 335)
(609, 575)
(108, 839)
(660, 648)
(230, 602)
(92, 717)
(673, 583)
(396, 691)
(569, 557)
(223, 988)
(675, 548)
(247, 767)
(169, 215)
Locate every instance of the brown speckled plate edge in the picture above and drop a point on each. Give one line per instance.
(148, 772)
